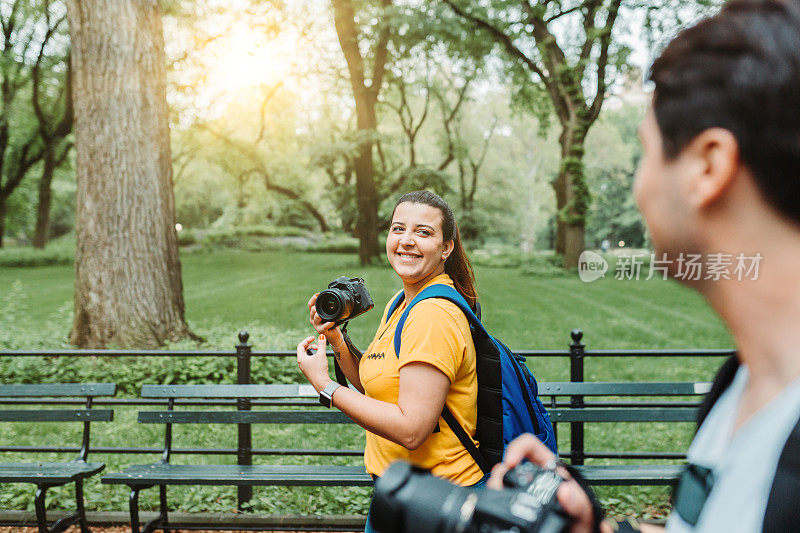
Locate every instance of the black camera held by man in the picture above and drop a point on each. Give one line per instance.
(344, 299)
(408, 499)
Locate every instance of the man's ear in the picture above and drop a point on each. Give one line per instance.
(715, 162)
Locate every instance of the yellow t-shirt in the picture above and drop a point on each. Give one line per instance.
(436, 332)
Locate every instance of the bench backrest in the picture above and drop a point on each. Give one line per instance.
(34, 395)
(280, 395)
(576, 413)
(621, 402)
(610, 413)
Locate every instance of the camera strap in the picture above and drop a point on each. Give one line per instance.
(340, 377)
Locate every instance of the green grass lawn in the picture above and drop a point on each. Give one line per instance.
(243, 289)
(266, 293)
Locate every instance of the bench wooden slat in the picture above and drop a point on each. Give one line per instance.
(58, 390)
(554, 388)
(332, 475)
(600, 388)
(57, 415)
(47, 472)
(244, 417)
(228, 391)
(284, 475)
(657, 414)
(665, 414)
(631, 474)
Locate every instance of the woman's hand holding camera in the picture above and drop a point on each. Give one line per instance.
(314, 366)
(333, 334)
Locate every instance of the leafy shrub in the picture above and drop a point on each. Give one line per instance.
(130, 372)
(274, 238)
(187, 237)
(496, 259)
(335, 244)
(58, 252)
(534, 264)
(544, 265)
(269, 231)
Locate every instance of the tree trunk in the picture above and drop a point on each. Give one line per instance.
(561, 202)
(43, 207)
(2, 219)
(367, 203)
(572, 195)
(365, 99)
(128, 288)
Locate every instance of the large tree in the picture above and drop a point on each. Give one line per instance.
(561, 59)
(366, 89)
(128, 288)
(574, 73)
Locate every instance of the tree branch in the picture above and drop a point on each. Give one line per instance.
(591, 37)
(602, 62)
(380, 54)
(500, 37)
(267, 98)
(63, 157)
(448, 117)
(260, 168)
(560, 14)
(35, 75)
(344, 21)
(64, 126)
(549, 80)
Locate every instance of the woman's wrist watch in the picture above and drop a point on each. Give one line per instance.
(326, 394)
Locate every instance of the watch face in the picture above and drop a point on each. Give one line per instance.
(324, 399)
(326, 394)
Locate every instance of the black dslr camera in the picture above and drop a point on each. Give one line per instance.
(345, 298)
(408, 499)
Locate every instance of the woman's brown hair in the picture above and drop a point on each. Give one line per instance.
(457, 265)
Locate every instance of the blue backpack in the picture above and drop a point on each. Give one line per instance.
(508, 402)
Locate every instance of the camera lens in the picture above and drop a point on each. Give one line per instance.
(333, 305)
(410, 500)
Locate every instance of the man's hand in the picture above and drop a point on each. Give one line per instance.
(570, 495)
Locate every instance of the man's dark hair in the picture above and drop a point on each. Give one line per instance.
(739, 70)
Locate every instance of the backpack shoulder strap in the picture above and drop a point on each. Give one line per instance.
(466, 441)
(395, 304)
(723, 379)
(782, 513)
(445, 292)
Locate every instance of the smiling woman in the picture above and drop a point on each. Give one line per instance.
(400, 392)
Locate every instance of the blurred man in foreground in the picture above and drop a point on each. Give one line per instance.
(720, 178)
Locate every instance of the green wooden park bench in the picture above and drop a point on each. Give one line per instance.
(613, 410)
(52, 474)
(577, 413)
(164, 473)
